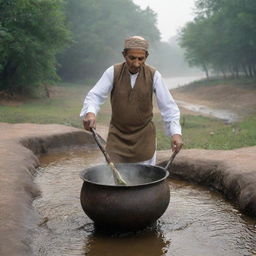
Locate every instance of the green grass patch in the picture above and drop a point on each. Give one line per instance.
(208, 133)
(247, 83)
(63, 108)
(65, 105)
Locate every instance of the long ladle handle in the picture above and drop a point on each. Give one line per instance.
(171, 160)
(117, 176)
(97, 139)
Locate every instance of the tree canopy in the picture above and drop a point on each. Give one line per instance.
(44, 40)
(31, 33)
(98, 30)
(222, 37)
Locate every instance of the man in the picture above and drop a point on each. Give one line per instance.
(131, 137)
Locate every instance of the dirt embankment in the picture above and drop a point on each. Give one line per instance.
(20, 143)
(231, 172)
(238, 99)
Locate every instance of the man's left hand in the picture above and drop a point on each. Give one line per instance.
(177, 143)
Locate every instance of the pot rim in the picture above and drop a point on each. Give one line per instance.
(125, 186)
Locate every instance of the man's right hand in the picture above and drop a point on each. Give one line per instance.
(89, 121)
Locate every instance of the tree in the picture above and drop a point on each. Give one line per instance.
(31, 33)
(98, 30)
(223, 36)
(194, 38)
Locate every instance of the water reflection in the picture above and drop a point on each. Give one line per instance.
(223, 114)
(146, 243)
(178, 81)
(197, 221)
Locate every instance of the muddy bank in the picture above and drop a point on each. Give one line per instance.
(20, 144)
(232, 172)
(226, 115)
(240, 101)
(196, 221)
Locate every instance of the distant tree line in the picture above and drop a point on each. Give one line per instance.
(32, 32)
(222, 37)
(98, 31)
(41, 40)
(168, 58)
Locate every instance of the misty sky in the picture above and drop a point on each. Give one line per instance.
(172, 14)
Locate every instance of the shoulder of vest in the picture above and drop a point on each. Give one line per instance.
(118, 69)
(150, 68)
(118, 65)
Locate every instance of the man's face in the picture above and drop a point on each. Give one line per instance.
(135, 58)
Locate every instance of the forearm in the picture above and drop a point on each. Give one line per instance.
(167, 107)
(91, 104)
(98, 94)
(173, 126)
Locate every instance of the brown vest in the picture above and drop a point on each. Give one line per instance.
(131, 136)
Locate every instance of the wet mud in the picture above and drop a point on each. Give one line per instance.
(197, 222)
(226, 115)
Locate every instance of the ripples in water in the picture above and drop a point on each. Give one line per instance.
(197, 221)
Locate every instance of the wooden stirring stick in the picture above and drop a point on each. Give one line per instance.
(117, 176)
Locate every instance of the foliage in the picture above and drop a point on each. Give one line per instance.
(168, 58)
(98, 30)
(222, 37)
(64, 106)
(42, 40)
(208, 133)
(31, 33)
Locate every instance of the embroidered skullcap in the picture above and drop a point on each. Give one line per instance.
(136, 42)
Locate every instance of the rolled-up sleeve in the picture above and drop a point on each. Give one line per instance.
(167, 106)
(99, 93)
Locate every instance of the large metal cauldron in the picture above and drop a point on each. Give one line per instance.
(131, 207)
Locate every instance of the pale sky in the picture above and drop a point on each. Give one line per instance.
(172, 14)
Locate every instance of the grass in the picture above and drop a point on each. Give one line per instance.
(63, 108)
(247, 83)
(214, 134)
(65, 105)
(208, 133)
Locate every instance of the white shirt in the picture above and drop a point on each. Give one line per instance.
(167, 106)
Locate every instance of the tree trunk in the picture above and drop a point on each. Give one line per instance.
(245, 70)
(206, 71)
(224, 74)
(47, 91)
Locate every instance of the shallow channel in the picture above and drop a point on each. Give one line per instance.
(198, 222)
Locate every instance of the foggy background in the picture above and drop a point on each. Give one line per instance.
(171, 15)
(50, 40)
(157, 21)
(169, 57)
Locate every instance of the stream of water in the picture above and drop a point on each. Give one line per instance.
(223, 114)
(179, 81)
(198, 222)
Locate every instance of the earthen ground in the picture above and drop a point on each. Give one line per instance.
(231, 172)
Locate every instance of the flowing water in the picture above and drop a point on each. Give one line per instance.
(198, 222)
(223, 114)
(179, 81)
